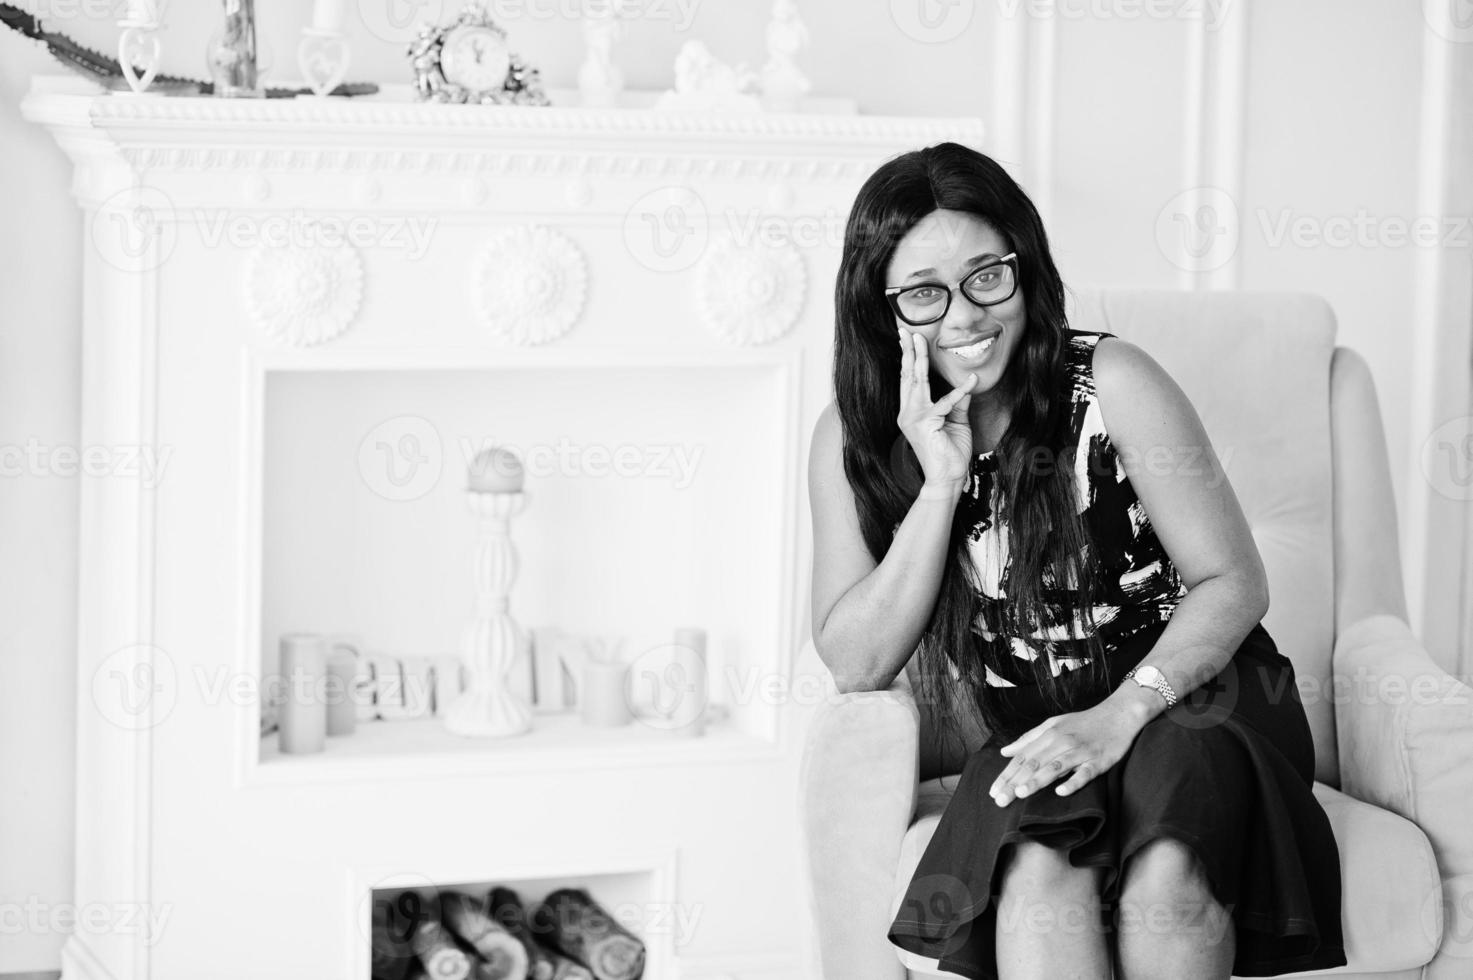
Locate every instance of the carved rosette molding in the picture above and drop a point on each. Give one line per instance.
(300, 296)
(750, 294)
(529, 283)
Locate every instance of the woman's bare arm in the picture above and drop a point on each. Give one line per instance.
(868, 618)
(1182, 485)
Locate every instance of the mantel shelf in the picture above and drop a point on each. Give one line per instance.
(558, 742)
(394, 117)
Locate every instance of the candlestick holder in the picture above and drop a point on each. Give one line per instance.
(493, 640)
(140, 52)
(323, 57)
(232, 53)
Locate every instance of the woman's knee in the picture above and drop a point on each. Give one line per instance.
(1165, 872)
(1036, 868)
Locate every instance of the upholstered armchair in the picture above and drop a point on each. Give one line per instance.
(1295, 421)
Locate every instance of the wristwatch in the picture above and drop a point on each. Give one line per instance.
(1148, 676)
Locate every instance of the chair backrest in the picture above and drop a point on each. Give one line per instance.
(1257, 368)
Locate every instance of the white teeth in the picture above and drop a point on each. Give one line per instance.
(972, 350)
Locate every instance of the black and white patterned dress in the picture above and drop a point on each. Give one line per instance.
(1140, 587)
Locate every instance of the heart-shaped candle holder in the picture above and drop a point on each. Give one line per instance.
(322, 58)
(139, 54)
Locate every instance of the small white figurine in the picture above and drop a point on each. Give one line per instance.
(599, 80)
(702, 81)
(783, 84)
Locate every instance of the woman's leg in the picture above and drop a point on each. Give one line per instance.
(1048, 917)
(1168, 925)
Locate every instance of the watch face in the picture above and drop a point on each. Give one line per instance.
(475, 58)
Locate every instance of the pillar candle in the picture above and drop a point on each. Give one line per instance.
(327, 15)
(303, 720)
(689, 714)
(602, 698)
(342, 706)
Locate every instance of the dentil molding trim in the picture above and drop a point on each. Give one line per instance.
(390, 134)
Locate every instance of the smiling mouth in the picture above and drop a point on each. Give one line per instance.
(974, 350)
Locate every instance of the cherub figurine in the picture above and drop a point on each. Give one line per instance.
(599, 79)
(702, 81)
(782, 83)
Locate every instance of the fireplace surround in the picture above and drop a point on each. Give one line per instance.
(271, 285)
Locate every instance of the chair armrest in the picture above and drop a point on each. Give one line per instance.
(857, 794)
(1405, 730)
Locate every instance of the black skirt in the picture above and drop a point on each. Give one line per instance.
(1227, 771)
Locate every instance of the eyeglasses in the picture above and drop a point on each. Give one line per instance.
(927, 302)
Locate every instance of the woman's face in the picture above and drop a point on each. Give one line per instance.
(944, 247)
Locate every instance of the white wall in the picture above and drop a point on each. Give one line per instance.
(1321, 133)
(1107, 117)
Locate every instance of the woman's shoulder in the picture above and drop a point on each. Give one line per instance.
(1099, 354)
(1087, 338)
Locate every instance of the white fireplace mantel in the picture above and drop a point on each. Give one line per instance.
(498, 267)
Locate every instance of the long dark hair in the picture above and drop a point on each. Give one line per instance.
(1039, 503)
